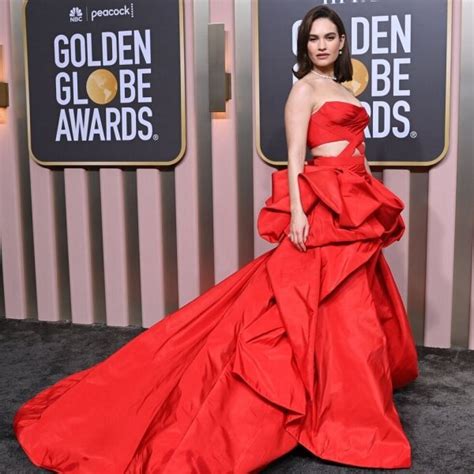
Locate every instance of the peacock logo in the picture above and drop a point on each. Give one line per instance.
(75, 15)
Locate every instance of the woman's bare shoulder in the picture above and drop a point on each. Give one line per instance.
(302, 95)
(349, 89)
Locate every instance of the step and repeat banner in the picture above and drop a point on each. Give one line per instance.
(401, 60)
(105, 78)
(105, 82)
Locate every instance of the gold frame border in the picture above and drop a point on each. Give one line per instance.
(94, 164)
(384, 164)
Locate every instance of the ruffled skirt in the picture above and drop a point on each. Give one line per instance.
(293, 348)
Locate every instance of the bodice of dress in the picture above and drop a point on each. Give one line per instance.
(338, 120)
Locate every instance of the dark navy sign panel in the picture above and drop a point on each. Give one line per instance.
(105, 82)
(400, 56)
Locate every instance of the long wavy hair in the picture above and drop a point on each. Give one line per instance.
(343, 65)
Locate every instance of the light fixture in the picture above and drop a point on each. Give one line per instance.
(4, 102)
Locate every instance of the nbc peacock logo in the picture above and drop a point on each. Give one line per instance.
(75, 15)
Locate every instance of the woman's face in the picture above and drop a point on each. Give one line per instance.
(324, 42)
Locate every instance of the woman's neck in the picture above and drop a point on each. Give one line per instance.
(328, 71)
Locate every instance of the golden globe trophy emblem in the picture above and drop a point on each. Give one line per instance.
(360, 78)
(101, 86)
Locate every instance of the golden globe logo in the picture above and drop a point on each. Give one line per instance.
(79, 119)
(101, 86)
(360, 77)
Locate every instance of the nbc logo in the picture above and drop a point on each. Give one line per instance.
(75, 15)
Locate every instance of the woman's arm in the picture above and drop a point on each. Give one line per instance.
(297, 113)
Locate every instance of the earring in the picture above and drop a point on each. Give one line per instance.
(340, 51)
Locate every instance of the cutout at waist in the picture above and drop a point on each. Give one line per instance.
(336, 160)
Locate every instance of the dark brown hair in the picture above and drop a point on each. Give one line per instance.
(343, 65)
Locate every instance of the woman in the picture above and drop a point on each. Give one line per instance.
(303, 345)
(322, 52)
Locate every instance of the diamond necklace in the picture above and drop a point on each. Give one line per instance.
(323, 75)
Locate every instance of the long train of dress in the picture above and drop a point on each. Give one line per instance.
(294, 347)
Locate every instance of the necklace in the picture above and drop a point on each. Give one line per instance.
(323, 75)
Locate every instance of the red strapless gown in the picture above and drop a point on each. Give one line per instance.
(295, 347)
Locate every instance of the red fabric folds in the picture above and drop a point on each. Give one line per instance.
(294, 347)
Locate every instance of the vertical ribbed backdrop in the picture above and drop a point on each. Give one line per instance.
(128, 247)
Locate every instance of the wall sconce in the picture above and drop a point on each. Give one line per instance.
(4, 102)
(219, 80)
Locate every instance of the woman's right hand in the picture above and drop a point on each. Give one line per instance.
(299, 229)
